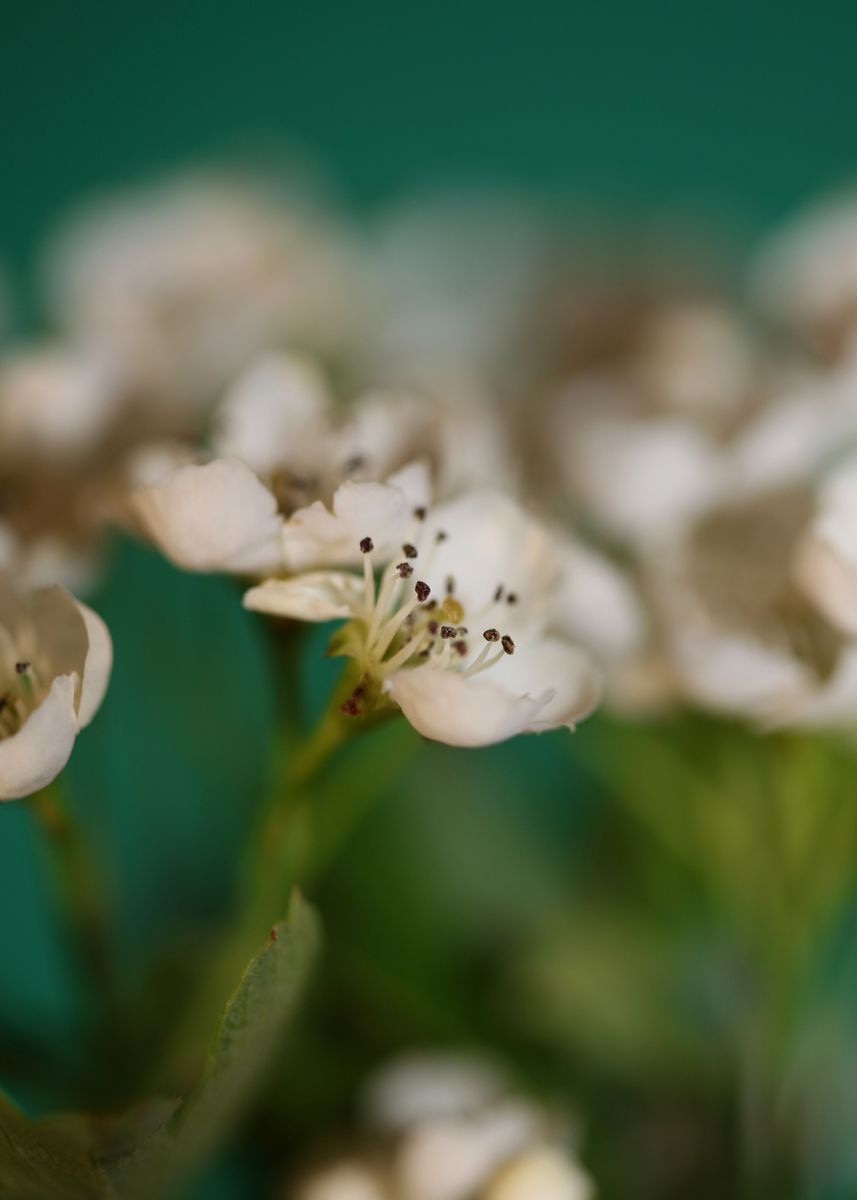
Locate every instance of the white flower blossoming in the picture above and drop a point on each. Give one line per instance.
(452, 1129)
(55, 661)
(826, 558)
(454, 631)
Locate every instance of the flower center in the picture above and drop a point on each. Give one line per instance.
(22, 686)
(408, 622)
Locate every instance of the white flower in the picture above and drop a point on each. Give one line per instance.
(826, 558)
(806, 276)
(425, 1086)
(189, 279)
(55, 401)
(343, 1181)
(55, 661)
(454, 632)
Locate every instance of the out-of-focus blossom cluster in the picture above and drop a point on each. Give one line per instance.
(520, 478)
(447, 1128)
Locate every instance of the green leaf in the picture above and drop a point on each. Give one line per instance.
(46, 1158)
(250, 1033)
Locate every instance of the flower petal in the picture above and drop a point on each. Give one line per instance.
(596, 604)
(215, 517)
(97, 668)
(275, 407)
(446, 707)
(572, 679)
(490, 540)
(36, 754)
(315, 596)
(316, 536)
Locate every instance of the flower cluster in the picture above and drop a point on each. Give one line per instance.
(450, 1128)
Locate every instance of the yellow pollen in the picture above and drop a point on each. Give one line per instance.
(453, 610)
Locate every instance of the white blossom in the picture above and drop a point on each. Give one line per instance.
(454, 632)
(55, 661)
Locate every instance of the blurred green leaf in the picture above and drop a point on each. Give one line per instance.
(250, 1033)
(46, 1158)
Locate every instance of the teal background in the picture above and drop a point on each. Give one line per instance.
(734, 113)
(739, 109)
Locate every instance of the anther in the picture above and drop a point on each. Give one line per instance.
(460, 648)
(507, 644)
(433, 627)
(450, 584)
(22, 667)
(491, 635)
(409, 551)
(441, 536)
(367, 545)
(354, 463)
(420, 513)
(431, 606)
(498, 595)
(447, 631)
(422, 590)
(405, 570)
(512, 598)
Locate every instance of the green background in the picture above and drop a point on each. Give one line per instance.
(734, 113)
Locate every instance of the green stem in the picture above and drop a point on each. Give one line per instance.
(82, 900)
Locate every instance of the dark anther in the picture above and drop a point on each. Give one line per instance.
(491, 635)
(498, 595)
(354, 463)
(507, 644)
(4, 700)
(405, 570)
(420, 513)
(462, 631)
(512, 598)
(424, 653)
(431, 606)
(409, 551)
(422, 590)
(441, 535)
(350, 707)
(367, 545)
(460, 648)
(432, 627)
(22, 667)
(447, 632)
(450, 584)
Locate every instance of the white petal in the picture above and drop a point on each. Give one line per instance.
(573, 680)
(36, 754)
(97, 668)
(274, 409)
(490, 540)
(597, 605)
(215, 517)
(446, 707)
(415, 482)
(317, 536)
(452, 1159)
(315, 596)
(645, 480)
(733, 673)
(833, 703)
(542, 1174)
(429, 1086)
(343, 1181)
(825, 565)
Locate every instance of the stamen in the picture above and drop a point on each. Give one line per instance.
(368, 578)
(420, 512)
(354, 463)
(460, 648)
(383, 637)
(22, 668)
(440, 536)
(367, 545)
(491, 635)
(410, 648)
(447, 631)
(450, 584)
(405, 570)
(507, 644)
(409, 550)
(512, 598)
(498, 595)
(422, 590)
